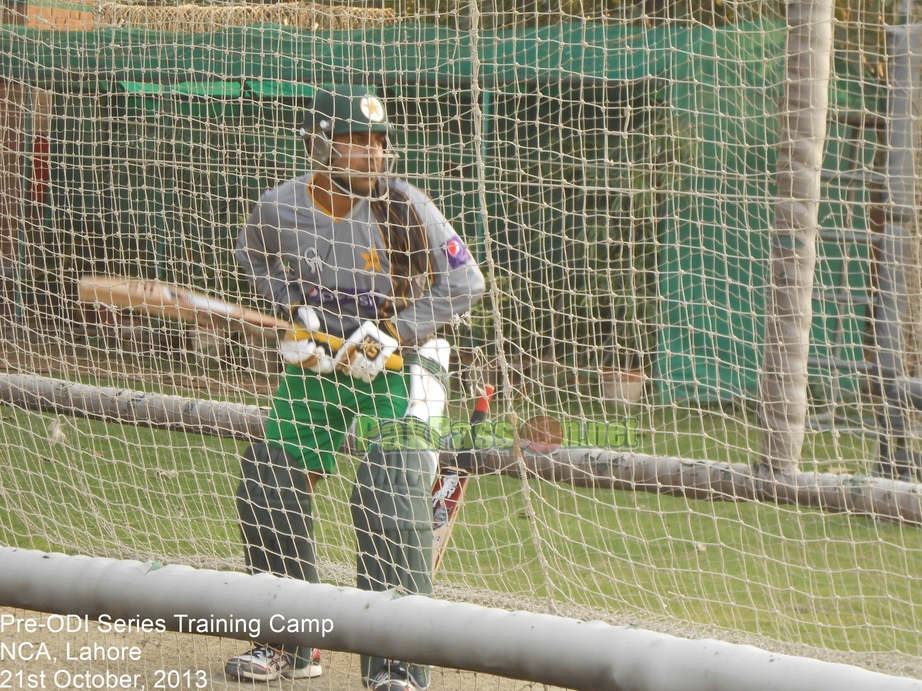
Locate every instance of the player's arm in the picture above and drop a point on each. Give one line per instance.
(457, 282)
(259, 254)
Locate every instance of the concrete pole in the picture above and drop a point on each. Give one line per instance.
(789, 308)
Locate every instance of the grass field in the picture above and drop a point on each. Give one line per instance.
(838, 582)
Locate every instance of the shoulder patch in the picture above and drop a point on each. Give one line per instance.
(456, 252)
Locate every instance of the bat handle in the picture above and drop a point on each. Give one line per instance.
(483, 402)
(465, 460)
(393, 363)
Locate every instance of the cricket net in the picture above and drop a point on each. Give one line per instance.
(612, 166)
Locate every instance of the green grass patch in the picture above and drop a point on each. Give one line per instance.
(115, 490)
(834, 581)
(795, 575)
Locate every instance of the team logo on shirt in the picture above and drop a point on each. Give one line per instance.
(312, 260)
(372, 260)
(372, 108)
(456, 252)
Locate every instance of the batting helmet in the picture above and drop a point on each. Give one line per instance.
(343, 108)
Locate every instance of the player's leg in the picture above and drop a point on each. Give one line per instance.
(391, 507)
(274, 504)
(393, 520)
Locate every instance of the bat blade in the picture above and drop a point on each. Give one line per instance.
(450, 486)
(175, 302)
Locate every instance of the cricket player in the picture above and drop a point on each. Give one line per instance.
(350, 251)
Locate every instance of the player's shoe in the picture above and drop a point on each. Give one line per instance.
(394, 677)
(310, 669)
(265, 663)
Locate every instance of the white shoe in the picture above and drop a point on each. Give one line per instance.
(309, 671)
(259, 664)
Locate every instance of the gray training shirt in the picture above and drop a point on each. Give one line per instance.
(295, 252)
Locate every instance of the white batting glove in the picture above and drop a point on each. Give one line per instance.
(297, 348)
(364, 353)
(305, 318)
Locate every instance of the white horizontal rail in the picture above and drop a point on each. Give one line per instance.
(535, 647)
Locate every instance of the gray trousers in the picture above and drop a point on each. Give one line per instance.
(393, 522)
(274, 507)
(391, 510)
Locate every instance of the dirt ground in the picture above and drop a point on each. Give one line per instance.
(42, 659)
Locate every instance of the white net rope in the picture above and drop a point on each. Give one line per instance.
(611, 170)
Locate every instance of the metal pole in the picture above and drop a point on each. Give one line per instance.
(890, 300)
(13, 98)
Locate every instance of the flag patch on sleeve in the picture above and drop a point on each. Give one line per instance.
(456, 251)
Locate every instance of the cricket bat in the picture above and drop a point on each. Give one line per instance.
(175, 302)
(449, 487)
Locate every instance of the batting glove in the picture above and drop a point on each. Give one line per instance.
(364, 353)
(298, 348)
